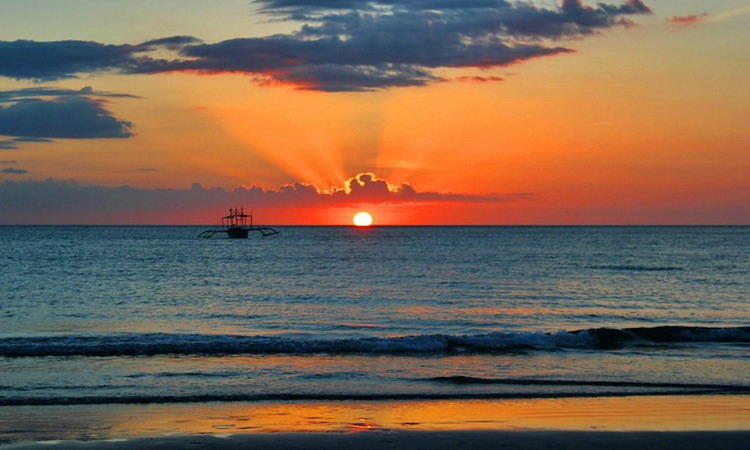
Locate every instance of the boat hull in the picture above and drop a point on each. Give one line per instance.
(237, 233)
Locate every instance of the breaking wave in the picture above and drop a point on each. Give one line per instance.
(468, 380)
(202, 398)
(130, 344)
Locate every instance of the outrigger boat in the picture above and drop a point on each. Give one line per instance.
(237, 226)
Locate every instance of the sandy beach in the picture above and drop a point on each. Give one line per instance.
(423, 440)
(619, 423)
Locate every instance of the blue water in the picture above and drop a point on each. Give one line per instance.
(155, 314)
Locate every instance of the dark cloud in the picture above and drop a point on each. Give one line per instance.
(344, 45)
(171, 43)
(14, 171)
(499, 19)
(629, 7)
(359, 45)
(384, 54)
(479, 79)
(31, 139)
(67, 201)
(12, 144)
(42, 113)
(687, 20)
(46, 91)
(340, 78)
(61, 117)
(8, 161)
(146, 169)
(44, 61)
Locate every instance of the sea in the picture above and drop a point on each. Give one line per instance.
(156, 315)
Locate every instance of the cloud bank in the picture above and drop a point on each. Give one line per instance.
(53, 201)
(344, 45)
(72, 118)
(14, 171)
(47, 61)
(12, 144)
(44, 113)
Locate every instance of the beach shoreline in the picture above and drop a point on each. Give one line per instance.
(531, 440)
(655, 420)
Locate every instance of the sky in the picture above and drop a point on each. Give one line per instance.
(418, 111)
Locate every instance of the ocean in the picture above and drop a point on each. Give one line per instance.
(154, 314)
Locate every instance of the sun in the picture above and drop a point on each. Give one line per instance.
(362, 219)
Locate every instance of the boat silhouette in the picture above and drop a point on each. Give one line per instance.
(238, 225)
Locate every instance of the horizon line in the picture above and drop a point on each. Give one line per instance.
(374, 225)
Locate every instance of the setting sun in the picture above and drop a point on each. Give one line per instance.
(362, 219)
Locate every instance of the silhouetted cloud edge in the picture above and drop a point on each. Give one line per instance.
(39, 198)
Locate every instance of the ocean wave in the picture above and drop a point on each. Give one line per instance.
(221, 374)
(132, 344)
(469, 380)
(203, 398)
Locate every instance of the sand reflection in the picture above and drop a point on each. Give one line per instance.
(616, 414)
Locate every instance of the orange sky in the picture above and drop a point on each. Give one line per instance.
(642, 124)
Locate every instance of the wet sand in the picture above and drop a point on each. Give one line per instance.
(465, 440)
(708, 421)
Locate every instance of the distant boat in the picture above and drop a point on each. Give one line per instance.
(238, 225)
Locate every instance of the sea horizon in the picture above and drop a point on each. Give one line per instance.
(375, 225)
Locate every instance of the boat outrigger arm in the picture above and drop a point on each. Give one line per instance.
(237, 226)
